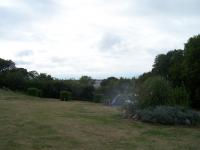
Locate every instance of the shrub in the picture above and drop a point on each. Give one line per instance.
(65, 95)
(154, 91)
(34, 92)
(169, 115)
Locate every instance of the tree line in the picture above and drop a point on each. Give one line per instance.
(19, 79)
(178, 70)
(181, 68)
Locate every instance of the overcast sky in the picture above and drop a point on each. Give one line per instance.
(99, 38)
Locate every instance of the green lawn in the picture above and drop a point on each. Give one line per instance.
(28, 123)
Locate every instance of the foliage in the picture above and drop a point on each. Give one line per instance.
(50, 88)
(87, 92)
(86, 80)
(158, 91)
(34, 92)
(181, 67)
(65, 95)
(98, 98)
(6, 65)
(161, 65)
(180, 97)
(109, 87)
(169, 115)
(144, 77)
(14, 79)
(20, 79)
(192, 69)
(154, 91)
(170, 66)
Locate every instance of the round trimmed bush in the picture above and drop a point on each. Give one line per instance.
(64, 95)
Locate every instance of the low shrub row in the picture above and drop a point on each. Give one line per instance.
(169, 115)
(64, 95)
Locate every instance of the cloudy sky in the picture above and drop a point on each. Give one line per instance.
(100, 38)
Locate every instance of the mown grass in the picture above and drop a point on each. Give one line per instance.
(28, 123)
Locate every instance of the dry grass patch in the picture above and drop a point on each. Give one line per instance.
(29, 123)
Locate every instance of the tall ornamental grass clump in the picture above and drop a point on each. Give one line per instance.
(154, 91)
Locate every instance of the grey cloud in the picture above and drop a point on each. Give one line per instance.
(177, 18)
(18, 19)
(109, 42)
(58, 60)
(21, 62)
(42, 6)
(175, 8)
(25, 12)
(20, 34)
(10, 17)
(11, 21)
(25, 53)
(65, 61)
(113, 45)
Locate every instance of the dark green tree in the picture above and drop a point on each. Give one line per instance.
(6, 65)
(33, 74)
(15, 79)
(192, 69)
(161, 65)
(170, 66)
(175, 70)
(86, 80)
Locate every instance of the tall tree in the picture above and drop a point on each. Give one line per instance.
(170, 66)
(6, 65)
(192, 69)
(161, 65)
(175, 67)
(15, 79)
(86, 80)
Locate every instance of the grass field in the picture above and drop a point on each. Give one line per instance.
(28, 123)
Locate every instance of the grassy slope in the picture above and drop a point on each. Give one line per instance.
(28, 123)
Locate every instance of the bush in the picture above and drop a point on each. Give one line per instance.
(154, 91)
(34, 92)
(169, 115)
(65, 95)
